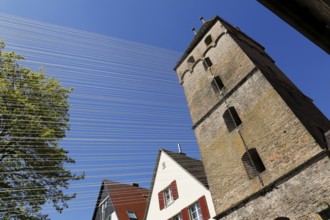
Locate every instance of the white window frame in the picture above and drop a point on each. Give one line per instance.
(195, 211)
(177, 217)
(168, 196)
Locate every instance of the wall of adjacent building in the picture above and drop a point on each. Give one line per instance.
(189, 190)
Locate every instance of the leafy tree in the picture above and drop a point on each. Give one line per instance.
(33, 119)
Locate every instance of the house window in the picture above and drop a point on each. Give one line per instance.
(217, 84)
(177, 217)
(281, 218)
(131, 215)
(231, 119)
(252, 163)
(168, 196)
(208, 40)
(207, 63)
(195, 212)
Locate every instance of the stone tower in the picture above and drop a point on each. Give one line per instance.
(262, 141)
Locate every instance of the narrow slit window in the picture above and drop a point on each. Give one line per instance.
(231, 119)
(208, 40)
(252, 163)
(217, 84)
(207, 63)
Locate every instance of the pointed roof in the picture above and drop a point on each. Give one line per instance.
(193, 166)
(125, 197)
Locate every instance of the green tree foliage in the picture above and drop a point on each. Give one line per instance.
(33, 119)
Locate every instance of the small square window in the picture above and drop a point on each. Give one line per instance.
(131, 215)
(168, 196)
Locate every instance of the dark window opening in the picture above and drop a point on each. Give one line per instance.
(191, 60)
(281, 218)
(217, 84)
(231, 119)
(207, 63)
(252, 163)
(208, 40)
(325, 214)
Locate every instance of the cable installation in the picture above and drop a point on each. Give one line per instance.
(125, 105)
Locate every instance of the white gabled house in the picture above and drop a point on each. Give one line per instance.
(179, 189)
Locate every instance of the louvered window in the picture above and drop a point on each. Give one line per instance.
(231, 119)
(252, 163)
(217, 84)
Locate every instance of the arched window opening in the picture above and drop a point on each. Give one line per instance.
(217, 84)
(231, 119)
(252, 163)
(281, 218)
(191, 62)
(208, 40)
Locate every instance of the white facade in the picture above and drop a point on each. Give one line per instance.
(188, 187)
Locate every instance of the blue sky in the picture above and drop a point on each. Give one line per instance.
(162, 24)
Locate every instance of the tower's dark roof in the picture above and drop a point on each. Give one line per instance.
(198, 37)
(191, 165)
(205, 28)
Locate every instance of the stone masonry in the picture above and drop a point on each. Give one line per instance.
(278, 121)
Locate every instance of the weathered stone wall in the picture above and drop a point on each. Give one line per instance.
(298, 197)
(283, 127)
(268, 125)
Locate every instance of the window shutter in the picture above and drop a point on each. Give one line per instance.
(204, 208)
(231, 118)
(185, 214)
(174, 190)
(161, 200)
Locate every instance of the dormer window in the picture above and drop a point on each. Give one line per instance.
(208, 40)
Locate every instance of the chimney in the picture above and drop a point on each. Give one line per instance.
(202, 19)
